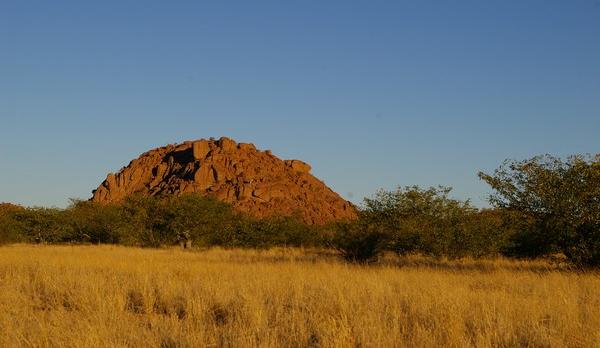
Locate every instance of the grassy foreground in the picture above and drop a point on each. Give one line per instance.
(107, 296)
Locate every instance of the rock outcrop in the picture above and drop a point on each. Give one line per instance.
(253, 181)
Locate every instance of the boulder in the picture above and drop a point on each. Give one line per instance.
(298, 166)
(246, 147)
(200, 149)
(227, 145)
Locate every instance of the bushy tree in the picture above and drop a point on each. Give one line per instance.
(156, 221)
(204, 219)
(561, 201)
(490, 231)
(247, 231)
(10, 231)
(153, 222)
(42, 225)
(146, 221)
(424, 220)
(95, 223)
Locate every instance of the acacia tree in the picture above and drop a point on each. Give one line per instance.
(561, 198)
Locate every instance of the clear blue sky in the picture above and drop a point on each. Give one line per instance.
(374, 94)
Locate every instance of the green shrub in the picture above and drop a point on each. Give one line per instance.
(204, 219)
(488, 232)
(95, 223)
(561, 201)
(357, 241)
(10, 231)
(42, 225)
(427, 221)
(246, 231)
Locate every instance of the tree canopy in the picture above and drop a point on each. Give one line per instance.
(561, 199)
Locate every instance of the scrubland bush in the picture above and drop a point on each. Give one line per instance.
(542, 206)
(154, 222)
(559, 200)
(95, 223)
(269, 232)
(9, 231)
(427, 221)
(358, 241)
(40, 225)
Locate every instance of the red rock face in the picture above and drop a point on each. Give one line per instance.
(253, 181)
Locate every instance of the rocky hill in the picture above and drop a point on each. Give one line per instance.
(253, 181)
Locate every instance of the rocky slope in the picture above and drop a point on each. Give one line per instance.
(253, 181)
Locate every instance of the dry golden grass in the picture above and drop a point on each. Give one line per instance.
(105, 296)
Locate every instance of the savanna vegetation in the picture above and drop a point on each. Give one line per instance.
(417, 268)
(114, 296)
(544, 206)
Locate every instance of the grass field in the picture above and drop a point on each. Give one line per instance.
(105, 296)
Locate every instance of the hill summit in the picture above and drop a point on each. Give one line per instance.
(253, 181)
